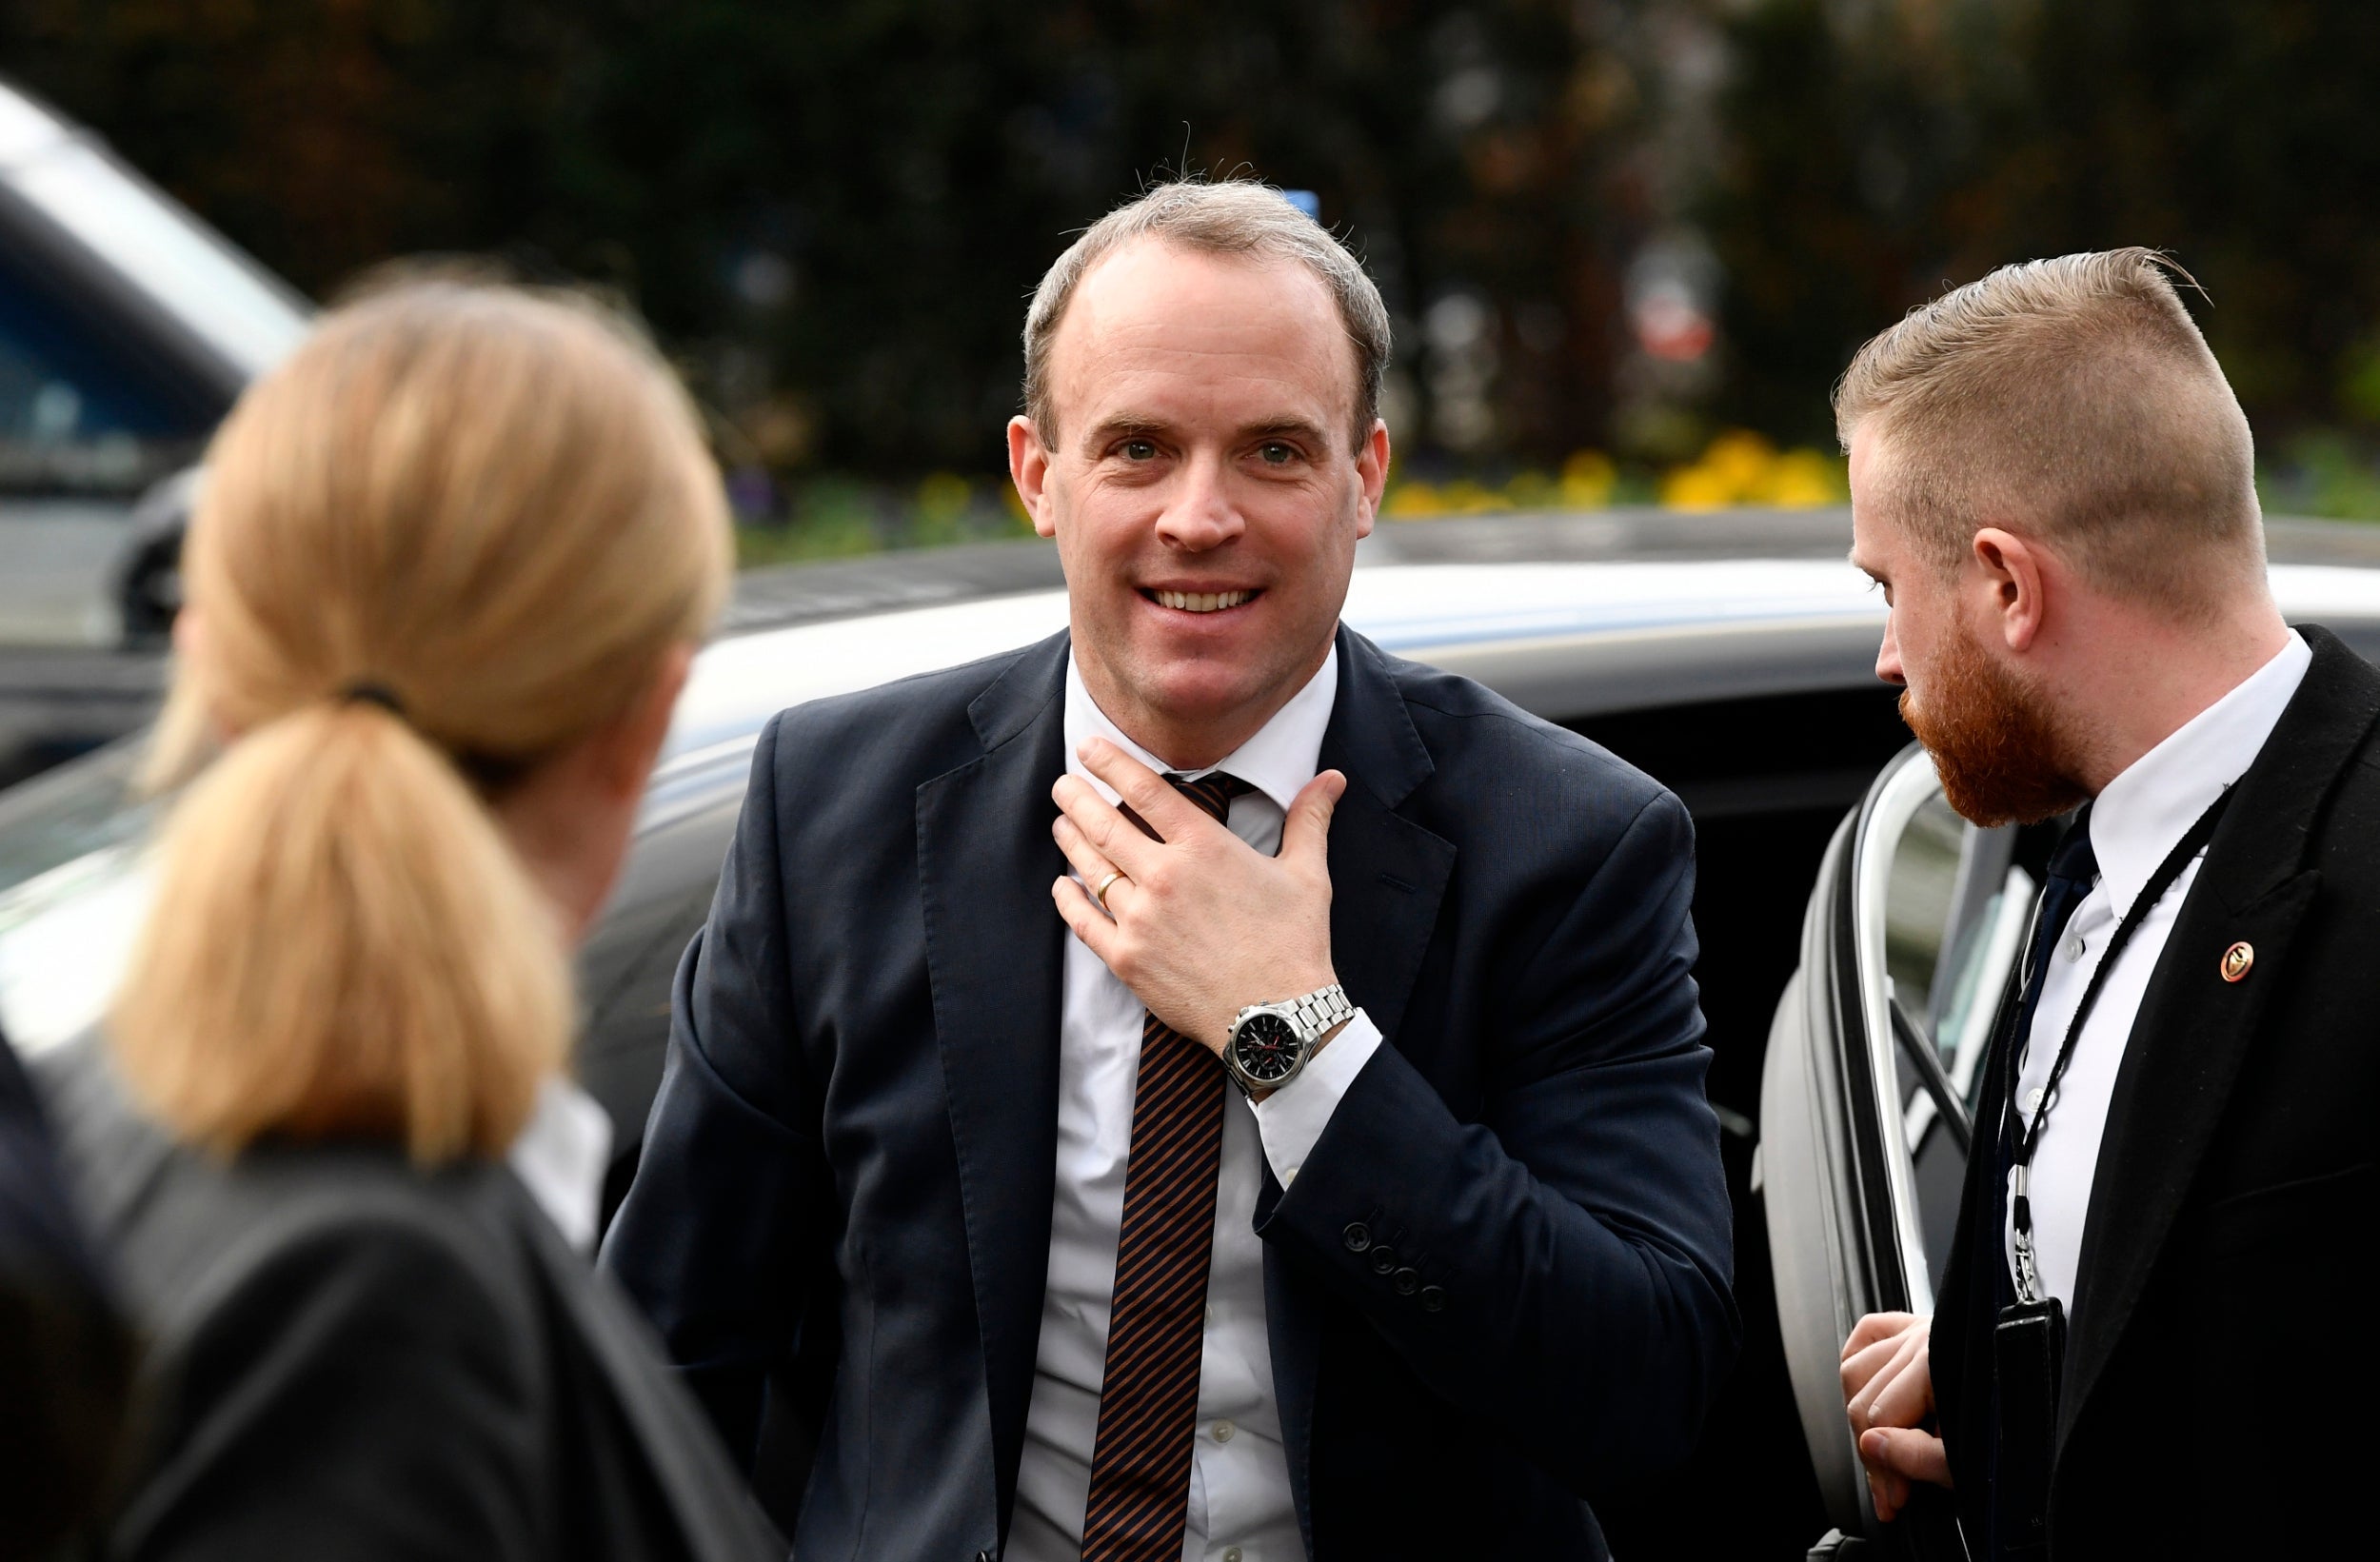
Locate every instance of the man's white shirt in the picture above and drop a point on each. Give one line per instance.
(2138, 818)
(1241, 1509)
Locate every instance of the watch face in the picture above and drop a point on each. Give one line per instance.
(1266, 1047)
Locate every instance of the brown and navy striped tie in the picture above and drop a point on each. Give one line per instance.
(1140, 1503)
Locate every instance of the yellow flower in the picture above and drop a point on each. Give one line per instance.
(944, 497)
(1588, 478)
(1701, 487)
(1802, 478)
(1739, 461)
(1740, 467)
(1412, 502)
(1464, 497)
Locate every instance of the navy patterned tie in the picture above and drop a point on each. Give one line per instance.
(2073, 868)
(1140, 1502)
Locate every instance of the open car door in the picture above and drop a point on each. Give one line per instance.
(1872, 1072)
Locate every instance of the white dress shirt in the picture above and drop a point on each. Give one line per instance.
(2140, 818)
(560, 1155)
(1239, 1501)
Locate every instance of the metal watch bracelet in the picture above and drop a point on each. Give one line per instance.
(1319, 1011)
(1311, 1015)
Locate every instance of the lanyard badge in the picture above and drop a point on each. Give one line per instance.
(2028, 1358)
(2029, 1339)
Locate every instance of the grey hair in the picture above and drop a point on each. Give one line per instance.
(1226, 217)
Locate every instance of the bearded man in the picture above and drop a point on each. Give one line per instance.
(2137, 1349)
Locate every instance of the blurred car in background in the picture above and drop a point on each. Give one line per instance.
(1854, 932)
(128, 327)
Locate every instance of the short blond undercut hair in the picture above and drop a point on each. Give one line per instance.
(1226, 217)
(2072, 400)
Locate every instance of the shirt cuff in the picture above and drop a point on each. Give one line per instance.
(1291, 1119)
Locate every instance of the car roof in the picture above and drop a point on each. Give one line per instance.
(787, 595)
(1569, 615)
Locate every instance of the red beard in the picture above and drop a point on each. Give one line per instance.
(1994, 743)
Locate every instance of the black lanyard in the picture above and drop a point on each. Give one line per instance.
(2029, 1136)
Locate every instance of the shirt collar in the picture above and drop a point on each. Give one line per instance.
(2145, 810)
(561, 1156)
(1285, 753)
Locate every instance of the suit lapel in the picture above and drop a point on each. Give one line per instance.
(1387, 872)
(2195, 1028)
(1387, 878)
(995, 955)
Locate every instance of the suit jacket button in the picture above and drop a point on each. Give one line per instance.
(983, 1556)
(1384, 1260)
(1407, 1281)
(1358, 1235)
(1432, 1299)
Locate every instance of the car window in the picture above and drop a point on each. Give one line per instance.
(146, 238)
(1953, 909)
(77, 413)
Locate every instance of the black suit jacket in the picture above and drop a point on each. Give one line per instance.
(351, 1359)
(2220, 1367)
(65, 1352)
(849, 1165)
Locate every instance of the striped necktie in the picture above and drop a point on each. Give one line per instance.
(1140, 1502)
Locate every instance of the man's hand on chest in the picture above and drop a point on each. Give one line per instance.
(1196, 923)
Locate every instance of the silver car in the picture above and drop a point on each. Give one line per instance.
(1854, 932)
(128, 326)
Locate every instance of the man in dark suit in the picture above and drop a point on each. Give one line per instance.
(2146, 1341)
(1358, 1201)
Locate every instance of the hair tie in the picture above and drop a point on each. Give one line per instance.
(368, 692)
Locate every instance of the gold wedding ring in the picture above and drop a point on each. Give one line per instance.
(1106, 884)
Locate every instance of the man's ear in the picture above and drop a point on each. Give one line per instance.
(1029, 468)
(2018, 575)
(1372, 472)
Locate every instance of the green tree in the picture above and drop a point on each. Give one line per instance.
(1878, 152)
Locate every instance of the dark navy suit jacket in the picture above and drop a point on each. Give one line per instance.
(847, 1176)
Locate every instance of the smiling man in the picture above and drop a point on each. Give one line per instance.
(1197, 1087)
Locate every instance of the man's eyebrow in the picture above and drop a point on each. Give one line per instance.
(1133, 426)
(1284, 427)
(1124, 426)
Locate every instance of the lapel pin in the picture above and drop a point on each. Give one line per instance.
(2236, 960)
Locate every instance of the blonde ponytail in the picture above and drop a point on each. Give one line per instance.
(494, 514)
(410, 943)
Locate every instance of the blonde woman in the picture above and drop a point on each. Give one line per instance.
(444, 583)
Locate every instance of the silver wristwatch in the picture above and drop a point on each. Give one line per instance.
(1270, 1042)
